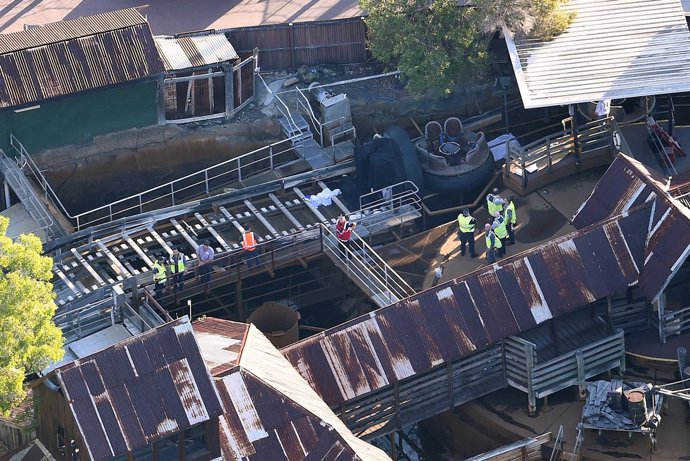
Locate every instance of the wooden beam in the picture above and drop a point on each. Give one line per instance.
(313, 209)
(138, 249)
(88, 267)
(212, 231)
(117, 265)
(286, 212)
(193, 243)
(160, 240)
(336, 200)
(67, 281)
(232, 219)
(261, 218)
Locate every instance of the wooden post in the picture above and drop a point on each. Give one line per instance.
(608, 313)
(229, 90)
(449, 375)
(531, 395)
(619, 332)
(161, 100)
(661, 313)
(572, 110)
(548, 152)
(238, 296)
(554, 337)
(581, 373)
(394, 448)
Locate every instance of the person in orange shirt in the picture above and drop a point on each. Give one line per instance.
(252, 254)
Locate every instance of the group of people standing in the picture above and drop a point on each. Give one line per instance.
(172, 272)
(498, 233)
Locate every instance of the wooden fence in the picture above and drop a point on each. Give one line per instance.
(288, 46)
(425, 395)
(523, 450)
(542, 379)
(553, 157)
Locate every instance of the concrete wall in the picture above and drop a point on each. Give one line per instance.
(77, 119)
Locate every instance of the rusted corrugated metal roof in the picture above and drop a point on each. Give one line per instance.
(220, 343)
(195, 51)
(270, 411)
(97, 51)
(110, 392)
(32, 451)
(641, 246)
(70, 29)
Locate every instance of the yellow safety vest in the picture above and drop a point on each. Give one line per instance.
(497, 241)
(493, 207)
(501, 231)
(511, 207)
(180, 264)
(465, 223)
(158, 272)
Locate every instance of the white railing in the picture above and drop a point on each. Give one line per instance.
(180, 190)
(366, 268)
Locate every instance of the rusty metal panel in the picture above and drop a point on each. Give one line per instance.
(398, 328)
(514, 293)
(110, 395)
(601, 282)
(525, 277)
(470, 315)
(78, 64)
(310, 360)
(635, 227)
(444, 334)
(495, 302)
(621, 252)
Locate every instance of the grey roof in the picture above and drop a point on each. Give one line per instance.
(110, 392)
(194, 51)
(613, 49)
(77, 55)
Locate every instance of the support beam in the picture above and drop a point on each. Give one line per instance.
(160, 240)
(313, 209)
(286, 212)
(232, 219)
(116, 264)
(336, 200)
(88, 267)
(181, 230)
(261, 218)
(213, 232)
(67, 281)
(138, 250)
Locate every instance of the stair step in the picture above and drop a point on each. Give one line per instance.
(300, 125)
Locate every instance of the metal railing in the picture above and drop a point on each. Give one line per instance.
(304, 106)
(542, 379)
(544, 153)
(366, 268)
(393, 205)
(557, 446)
(180, 190)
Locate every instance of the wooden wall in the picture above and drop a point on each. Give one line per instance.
(285, 46)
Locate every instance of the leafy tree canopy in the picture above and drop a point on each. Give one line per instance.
(437, 45)
(29, 340)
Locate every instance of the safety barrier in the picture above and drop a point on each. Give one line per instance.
(192, 186)
(542, 379)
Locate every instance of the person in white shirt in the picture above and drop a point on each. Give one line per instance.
(603, 108)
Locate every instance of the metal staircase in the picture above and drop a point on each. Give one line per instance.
(15, 178)
(295, 128)
(366, 269)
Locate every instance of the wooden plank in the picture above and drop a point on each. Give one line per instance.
(88, 267)
(232, 219)
(261, 218)
(67, 282)
(336, 200)
(213, 232)
(313, 209)
(183, 232)
(286, 212)
(138, 249)
(117, 266)
(160, 240)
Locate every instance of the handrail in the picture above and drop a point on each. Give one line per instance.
(387, 279)
(317, 123)
(107, 213)
(375, 199)
(287, 114)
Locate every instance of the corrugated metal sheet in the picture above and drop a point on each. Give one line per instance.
(220, 343)
(109, 393)
(21, 222)
(32, 74)
(70, 29)
(641, 246)
(271, 412)
(196, 51)
(32, 451)
(613, 49)
(625, 184)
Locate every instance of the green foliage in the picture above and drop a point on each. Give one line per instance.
(29, 340)
(437, 45)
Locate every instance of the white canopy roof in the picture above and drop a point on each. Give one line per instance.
(613, 49)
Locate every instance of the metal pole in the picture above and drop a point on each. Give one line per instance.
(8, 202)
(576, 141)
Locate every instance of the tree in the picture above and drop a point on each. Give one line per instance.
(436, 44)
(435, 47)
(29, 340)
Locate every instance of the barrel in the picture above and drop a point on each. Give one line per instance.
(277, 322)
(637, 406)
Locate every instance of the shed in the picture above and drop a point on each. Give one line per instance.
(199, 83)
(65, 82)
